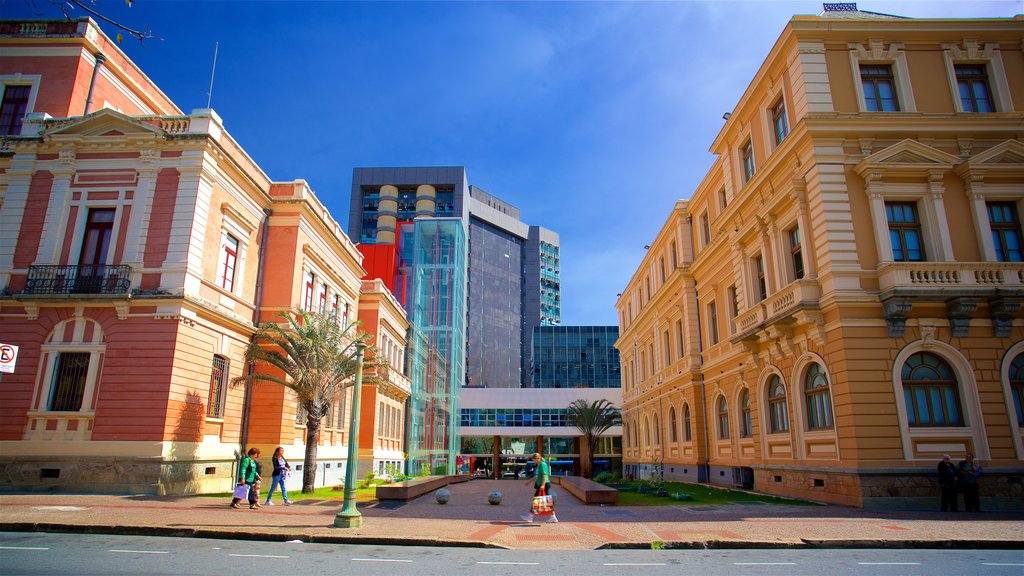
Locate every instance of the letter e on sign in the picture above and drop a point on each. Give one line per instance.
(8, 356)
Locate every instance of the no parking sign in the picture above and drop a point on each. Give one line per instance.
(8, 356)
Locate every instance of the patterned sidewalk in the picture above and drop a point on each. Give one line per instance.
(468, 520)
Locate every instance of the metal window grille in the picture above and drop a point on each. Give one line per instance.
(218, 380)
(69, 378)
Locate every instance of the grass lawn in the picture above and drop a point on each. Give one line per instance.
(324, 493)
(701, 495)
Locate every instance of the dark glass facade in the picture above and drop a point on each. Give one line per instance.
(494, 333)
(575, 357)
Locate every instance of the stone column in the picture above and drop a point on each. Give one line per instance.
(426, 200)
(936, 188)
(974, 187)
(878, 219)
(57, 212)
(496, 466)
(387, 214)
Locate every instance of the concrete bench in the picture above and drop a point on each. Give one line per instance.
(417, 487)
(587, 491)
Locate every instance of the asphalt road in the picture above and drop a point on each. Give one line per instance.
(81, 554)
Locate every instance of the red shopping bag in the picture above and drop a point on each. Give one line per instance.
(543, 505)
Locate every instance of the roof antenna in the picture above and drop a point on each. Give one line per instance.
(209, 95)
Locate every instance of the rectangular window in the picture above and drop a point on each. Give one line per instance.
(779, 121)
(334, 306)
(705, 228)
(12, 109)
(1006, 231)
(650, 356)
(666, 348)
(723, 202)
(661, 263)
(797, 253)
(747, 153)
(904, 231)
(675, 256)
(879, 88)
(218, 385)
(762, 283)
(69, 375)
(712, 323)
(99, 228)
(227, 276)
(647, 281)
(734, 302)
(680, 343)
(307, 297)
(341, 410)
(321, 305)
(972, 85)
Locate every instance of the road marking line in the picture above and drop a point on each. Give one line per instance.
(379, 560)
(999, 564)
(889, 563)
(764, 563)
(140, 551)
(21, 548)
(256, 556)
(635, 564)
(511, 563)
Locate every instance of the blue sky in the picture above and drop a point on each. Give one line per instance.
(592, 118)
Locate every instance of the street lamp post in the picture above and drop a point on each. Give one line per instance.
(349, 516)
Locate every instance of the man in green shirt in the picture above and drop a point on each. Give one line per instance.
(541, 481)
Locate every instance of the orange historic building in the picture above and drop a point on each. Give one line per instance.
(838, 303)
(135, 245)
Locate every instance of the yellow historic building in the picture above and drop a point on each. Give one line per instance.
(838, 303)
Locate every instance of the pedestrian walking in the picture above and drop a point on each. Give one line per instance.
(541, 484)
(247, 476)
(281, 472)
(968, 473)
(947, 484)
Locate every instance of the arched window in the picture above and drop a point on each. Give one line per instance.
(746, 421)
(636, 435)
(626, 433)
(687, 436)
(1017, 386)
(777, 410)
(723, 419)
(673, 425)
(931, 391)
(647, 431)
(819, 406)
(657, 431)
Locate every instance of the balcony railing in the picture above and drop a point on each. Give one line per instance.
(88, 279)
(791, 298)
(951, 275)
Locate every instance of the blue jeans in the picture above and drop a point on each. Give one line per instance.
(276, 481)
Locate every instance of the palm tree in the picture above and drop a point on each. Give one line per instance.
(592, 419)
(314, 355)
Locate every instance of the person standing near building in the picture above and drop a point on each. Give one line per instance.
(947, 483)
(541, 483)
(968, 473)
(247, 475)
(280, 474)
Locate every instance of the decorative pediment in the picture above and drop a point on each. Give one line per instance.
(102, 123)
(907, 157)
(1005, 159)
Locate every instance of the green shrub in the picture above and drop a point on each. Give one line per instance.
(604, 477)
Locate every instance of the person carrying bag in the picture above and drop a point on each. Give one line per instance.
(543, 500)
(247, 477)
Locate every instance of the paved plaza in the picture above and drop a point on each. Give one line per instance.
(468, 520)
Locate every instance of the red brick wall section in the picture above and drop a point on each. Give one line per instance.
(17, 387)
(161, 218)
(55, 87)
(32, 222)
(136, 378)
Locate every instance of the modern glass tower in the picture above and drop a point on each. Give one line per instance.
(513, 280)
(435, 255)
(576, 357)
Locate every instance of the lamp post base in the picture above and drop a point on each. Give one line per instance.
(343, 521)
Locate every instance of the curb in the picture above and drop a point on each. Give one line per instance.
(805, 543)
(229, 535)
